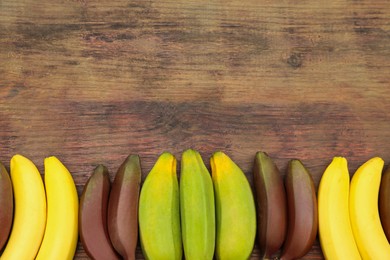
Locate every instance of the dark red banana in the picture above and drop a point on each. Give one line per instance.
(123, 207)
(302, 211)
(93, 216)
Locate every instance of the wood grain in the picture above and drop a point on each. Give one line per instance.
(92, 81)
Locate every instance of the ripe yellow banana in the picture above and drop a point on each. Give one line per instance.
(196, 207)
(61, 233)
(235, 209)
(335, 231)
(159, 215)
(363, 209)
(30, 210)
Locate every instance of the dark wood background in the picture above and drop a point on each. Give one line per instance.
(93, 81)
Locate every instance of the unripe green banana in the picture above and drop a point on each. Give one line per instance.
(384, 202)
(6, 205)
(235, 209)
(196, 207)
(271, 205)
(159, 213)
(302, 211)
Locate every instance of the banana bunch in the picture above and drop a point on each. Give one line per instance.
(108, 214)
(207, 214)
(45, 223)
(202, 216)
(286, 210)
(351, 213)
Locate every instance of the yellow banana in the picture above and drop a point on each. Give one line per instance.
(159, 215)
(363, 209)
(196, 207)
(335, 231)
(30, 210)
(235, 209)
(61, 233)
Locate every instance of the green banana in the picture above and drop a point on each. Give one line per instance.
(235, 209)
(159, 213)
(196, 207)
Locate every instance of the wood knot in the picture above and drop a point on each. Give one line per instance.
(295, 60)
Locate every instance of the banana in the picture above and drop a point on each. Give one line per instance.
(302, 211)
(6, 205)
(93, 216)
(384, 202)
(196, 207)
(271, 205)
(123, 207)
(363, 210)
(235, 209)
(159, 213)
(335, 231)
(61, 233)
(30, 210)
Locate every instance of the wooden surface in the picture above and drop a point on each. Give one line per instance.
(92, 81)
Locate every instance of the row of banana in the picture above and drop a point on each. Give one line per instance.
(41, 219)
(210, 214)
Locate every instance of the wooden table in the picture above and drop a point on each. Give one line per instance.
(92, 81)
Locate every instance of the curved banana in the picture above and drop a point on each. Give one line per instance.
(271, 205)
(122, 213)
(196, 207)
(93, 216)
(363, 210)
(335, 230)
(61, 233)
(6, 205)
(384, 202)
(159, 213)
(235, 209)
(302, 212)
(30, 210)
